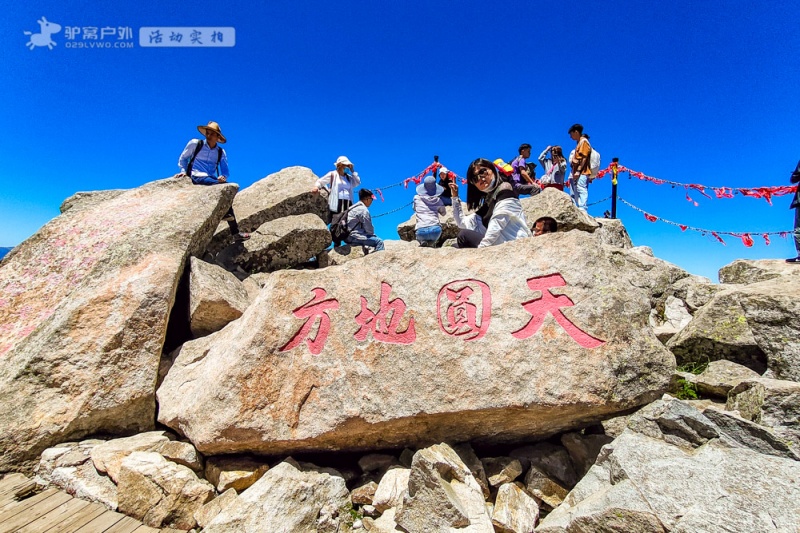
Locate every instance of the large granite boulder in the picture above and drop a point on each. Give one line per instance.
(612, 232)
(756, 325)
(84, 305)
(673, 469)
(770, 402)
(216, 297)
(282, 194)
(69, 467)
(283, 243)
(558, 205)
(521, 340)
(746, 271)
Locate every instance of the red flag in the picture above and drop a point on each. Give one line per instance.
(381, 194)
(683, 228)
(714, 234)
(650, 217)
(766, 239)
(746, 239)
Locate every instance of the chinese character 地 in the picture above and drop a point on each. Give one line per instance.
(317, 309)
(457, 309)
(385, 323)
(552, 304)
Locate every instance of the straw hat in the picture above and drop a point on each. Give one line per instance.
(213, 126)
(342, 160)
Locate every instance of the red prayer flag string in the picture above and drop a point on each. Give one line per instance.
(766, 239)
(714, 234)
(683, 228)
(380, 194)
(650, 217)
(746, 239)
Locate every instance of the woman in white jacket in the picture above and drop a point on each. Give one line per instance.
(498, 215)
(341, 181)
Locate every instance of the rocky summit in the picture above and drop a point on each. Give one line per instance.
(567, 382)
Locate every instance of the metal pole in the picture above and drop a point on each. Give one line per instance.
(614, 172)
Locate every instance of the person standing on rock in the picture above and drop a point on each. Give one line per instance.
(579, 161)
(206, 163)
(555, 167)
(341, 183)
(796, 206)
(359, 224)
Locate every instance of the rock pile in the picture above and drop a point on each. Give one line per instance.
(507, 389)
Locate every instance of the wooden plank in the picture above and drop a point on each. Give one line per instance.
(16, 507)
(145, 529)
(101, 523)
(10, 482)
(55, 517)
(79, 519)
(33, 512)
(126, 525)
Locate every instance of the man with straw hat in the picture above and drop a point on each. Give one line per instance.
(206, 163)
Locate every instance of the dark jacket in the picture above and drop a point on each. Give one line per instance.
(796, 179)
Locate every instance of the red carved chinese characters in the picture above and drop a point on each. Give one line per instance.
(458, 306)
(316, 308)
(385, 323)
(550, 303)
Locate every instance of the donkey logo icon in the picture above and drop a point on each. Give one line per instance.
(43, 37)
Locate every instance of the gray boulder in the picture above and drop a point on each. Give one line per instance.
(282, 194)
(558, 205)
(678, 476)
(288, 498)
(216, 298)
(772, 403)
(282, 243)
(86, 302)
(612, 232)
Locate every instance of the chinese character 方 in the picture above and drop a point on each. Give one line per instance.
(315, 311)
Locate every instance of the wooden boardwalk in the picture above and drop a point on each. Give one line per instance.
(24, 510)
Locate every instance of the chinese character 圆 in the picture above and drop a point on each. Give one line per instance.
(156, 36)
(464, 309)
(385, 323)
(550, 303)
(216, 37)
(195, 37)
(175, 37)
(315, 311)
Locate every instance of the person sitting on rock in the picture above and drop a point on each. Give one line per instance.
(544, 225)
(359, 224)
(523, 177)
(427, 208)
(206, 163)
(498, 215)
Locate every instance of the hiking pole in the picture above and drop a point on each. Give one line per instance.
(614, 172)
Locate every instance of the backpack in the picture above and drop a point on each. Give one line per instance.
(594, 163)
(197, 151)
(338, 227)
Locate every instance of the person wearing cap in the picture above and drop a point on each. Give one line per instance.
(359, 224)
(340, 183)
(445, 177)
(427, 208)
(206, 163)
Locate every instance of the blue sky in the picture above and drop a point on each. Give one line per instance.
(694, 92)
